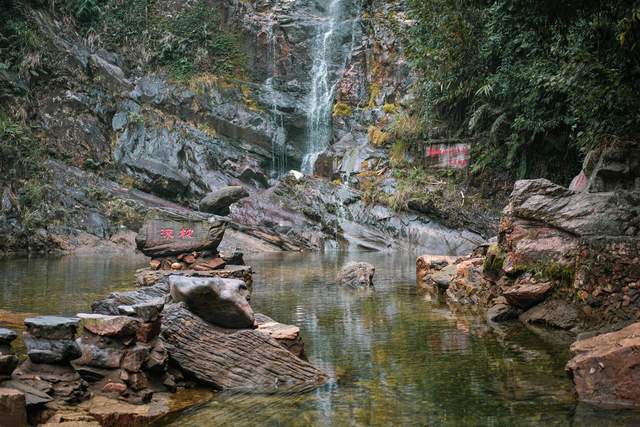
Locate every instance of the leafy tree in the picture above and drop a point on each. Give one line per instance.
(537, 79)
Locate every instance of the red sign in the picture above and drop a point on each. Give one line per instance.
(454, 156)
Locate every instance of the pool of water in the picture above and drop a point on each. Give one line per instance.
(394, 357)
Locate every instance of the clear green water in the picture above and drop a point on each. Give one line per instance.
(396, 359)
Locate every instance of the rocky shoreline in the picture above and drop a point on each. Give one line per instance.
(565, 259)
(140, 356)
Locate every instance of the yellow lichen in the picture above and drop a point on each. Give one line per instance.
(340, 109)
(378, 137)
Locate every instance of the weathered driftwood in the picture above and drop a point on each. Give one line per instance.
(228, 359)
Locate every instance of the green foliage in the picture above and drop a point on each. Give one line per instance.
(22, 51)
(191, 42)
(536, 79)
(84, 11)
(21, 154)
(494, 260)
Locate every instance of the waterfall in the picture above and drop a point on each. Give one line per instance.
(279, 139)
(323, 81)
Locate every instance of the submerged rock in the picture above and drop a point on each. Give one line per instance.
(356, 275)
(222, 302)
(604, 368)
(502, 312)
(218, 202)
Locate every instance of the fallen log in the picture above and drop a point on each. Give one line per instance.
(230, 359)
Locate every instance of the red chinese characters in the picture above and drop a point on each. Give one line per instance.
(166, 233)
(186, 233)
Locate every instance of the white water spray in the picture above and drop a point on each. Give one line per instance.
(321, 95)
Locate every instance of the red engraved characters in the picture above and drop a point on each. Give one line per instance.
(166, 233)
(186, 233)
(169, 234)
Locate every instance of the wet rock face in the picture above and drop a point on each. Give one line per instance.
(604, 368)
(222, 302)
(170, 232)
(218, 202)
(357, 275)
(579, 214)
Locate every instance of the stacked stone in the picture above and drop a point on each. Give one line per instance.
(48, 374)
(8, 360)
(122, 354)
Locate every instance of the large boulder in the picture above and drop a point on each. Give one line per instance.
(218, 202)
(222, 302)
(168, 232)
(357, 275)
(231, 359)
(576, 213)
(615, 166)
(604, 368)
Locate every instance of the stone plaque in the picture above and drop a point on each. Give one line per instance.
(168, 232)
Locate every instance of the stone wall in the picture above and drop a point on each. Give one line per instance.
(607, 278)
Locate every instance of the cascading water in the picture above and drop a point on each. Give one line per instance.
(279, 139)
(325, 56)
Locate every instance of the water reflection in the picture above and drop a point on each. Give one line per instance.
(395, 359)
(65, 285)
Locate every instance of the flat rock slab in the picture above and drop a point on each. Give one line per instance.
(7, 336)
(287, 335)
(169, 232)
(604, 369)
(356, 275)
(242, 360)
(115, 413)
(52, 327)
(32, 395)
(147, 311)
(527, 291)
(112, 303)
(148, 277)
(110, 326)
(222, 302)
